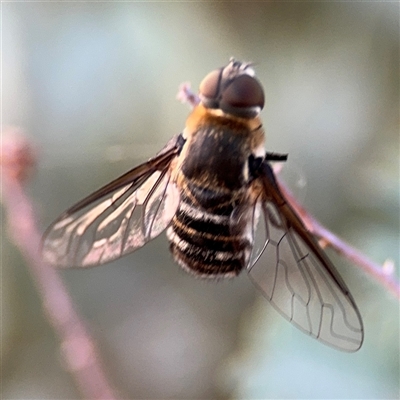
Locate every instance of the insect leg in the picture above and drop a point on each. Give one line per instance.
(275, 157)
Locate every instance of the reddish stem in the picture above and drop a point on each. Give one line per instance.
(329, 239)
(77, 346)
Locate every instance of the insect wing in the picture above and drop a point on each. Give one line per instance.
(117, 219)
(295, 275)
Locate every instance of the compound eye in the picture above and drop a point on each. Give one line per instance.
(243, 92)
(209, 88)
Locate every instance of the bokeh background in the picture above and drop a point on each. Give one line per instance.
(94, 86)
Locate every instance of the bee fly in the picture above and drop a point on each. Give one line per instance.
(209, 186)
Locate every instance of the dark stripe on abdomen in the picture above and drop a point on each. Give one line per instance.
(200, 237)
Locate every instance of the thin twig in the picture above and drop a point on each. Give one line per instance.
(77, 346)
(329, 239)
(381, 273)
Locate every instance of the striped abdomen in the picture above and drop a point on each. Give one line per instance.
(200, 237)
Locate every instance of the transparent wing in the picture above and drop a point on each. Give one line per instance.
(294, 274)
(118, 218)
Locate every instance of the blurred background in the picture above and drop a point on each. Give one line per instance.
(94, 86)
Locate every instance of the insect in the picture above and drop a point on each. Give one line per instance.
(212, 187)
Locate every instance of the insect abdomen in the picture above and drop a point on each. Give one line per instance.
(200, 237)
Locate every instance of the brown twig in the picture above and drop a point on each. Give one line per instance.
(328, 239)
(77, 346)
(384, 274)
